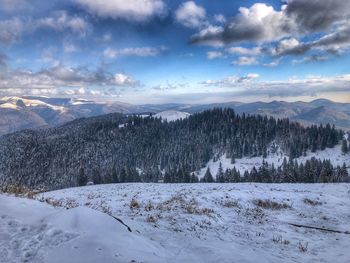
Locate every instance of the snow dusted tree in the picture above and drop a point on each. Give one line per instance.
(233, 160)
(343, 174)
(208, 177)
(82, 178)
(344, 147)
(194, 178)
(97, 179)
(115, 178)
(122, 175)
(220, 174)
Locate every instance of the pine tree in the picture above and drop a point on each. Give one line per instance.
(82, 178)
(115, 178)
(344, 147)
(220, 174)
(96, 177)
(233, 159)
(187, 177)
(167, 178)
(344, 175)
(208, 177)
(194, 178)
(122, 175)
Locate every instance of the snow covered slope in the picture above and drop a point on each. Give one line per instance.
(178, 223)
(35, 232)
(247, 164)
(28, 112)
(172, 115)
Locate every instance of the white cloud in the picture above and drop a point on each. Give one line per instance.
(312, 58)
(245, 51)
(259, 23)
(214, 54)
(136, 52)
(231, 81)
(62, 21)
(273, 63)
(60, 78)
(253, 76)
(11, 30)
(209, 36)
(169, 86)
(289, 46)
(245, 61)
(69, 47)
(220, 18)
(121, 79)
(294, 87)
(48, 56)
(110, 53)
(13, 5)
(191, 15)
(134, 10)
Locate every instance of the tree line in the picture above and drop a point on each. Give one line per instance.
(134, 148)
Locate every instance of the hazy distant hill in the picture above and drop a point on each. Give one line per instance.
(19, 113)
(28, 112)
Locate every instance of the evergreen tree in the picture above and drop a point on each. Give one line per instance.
(122, 176)
(344, 147)
(233, 160)
(115, 178)
(208, 177)
(97, 179)
(220, 174)
(82, 178)
(194, 178)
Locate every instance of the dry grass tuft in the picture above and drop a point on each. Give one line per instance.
(312, 202)
(134, 204)
(269, 204)
(303, 247)
(231, 204)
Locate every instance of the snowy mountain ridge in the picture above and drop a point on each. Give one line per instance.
(29, 112)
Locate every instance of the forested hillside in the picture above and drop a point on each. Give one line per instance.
(120, 148)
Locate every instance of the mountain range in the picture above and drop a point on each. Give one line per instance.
(30, 112)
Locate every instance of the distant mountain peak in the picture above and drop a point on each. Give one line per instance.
(20, 103)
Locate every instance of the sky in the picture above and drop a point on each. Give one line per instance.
(162, 51)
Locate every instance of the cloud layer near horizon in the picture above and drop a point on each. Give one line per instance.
(149, 47)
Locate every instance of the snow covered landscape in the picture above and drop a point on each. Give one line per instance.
(178, 223)
(185, 131)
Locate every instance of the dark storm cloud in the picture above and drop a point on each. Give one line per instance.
(261, 23)
(316, 15)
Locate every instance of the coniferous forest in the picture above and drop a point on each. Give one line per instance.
(119, 148)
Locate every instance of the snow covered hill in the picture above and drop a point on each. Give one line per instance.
(178, 223)
(28, 112)
(35, 232)
(172, 115)
(335, 155)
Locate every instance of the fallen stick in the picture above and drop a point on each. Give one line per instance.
(121, 221)
(320, 228)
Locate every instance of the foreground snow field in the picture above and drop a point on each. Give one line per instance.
(178, 223)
